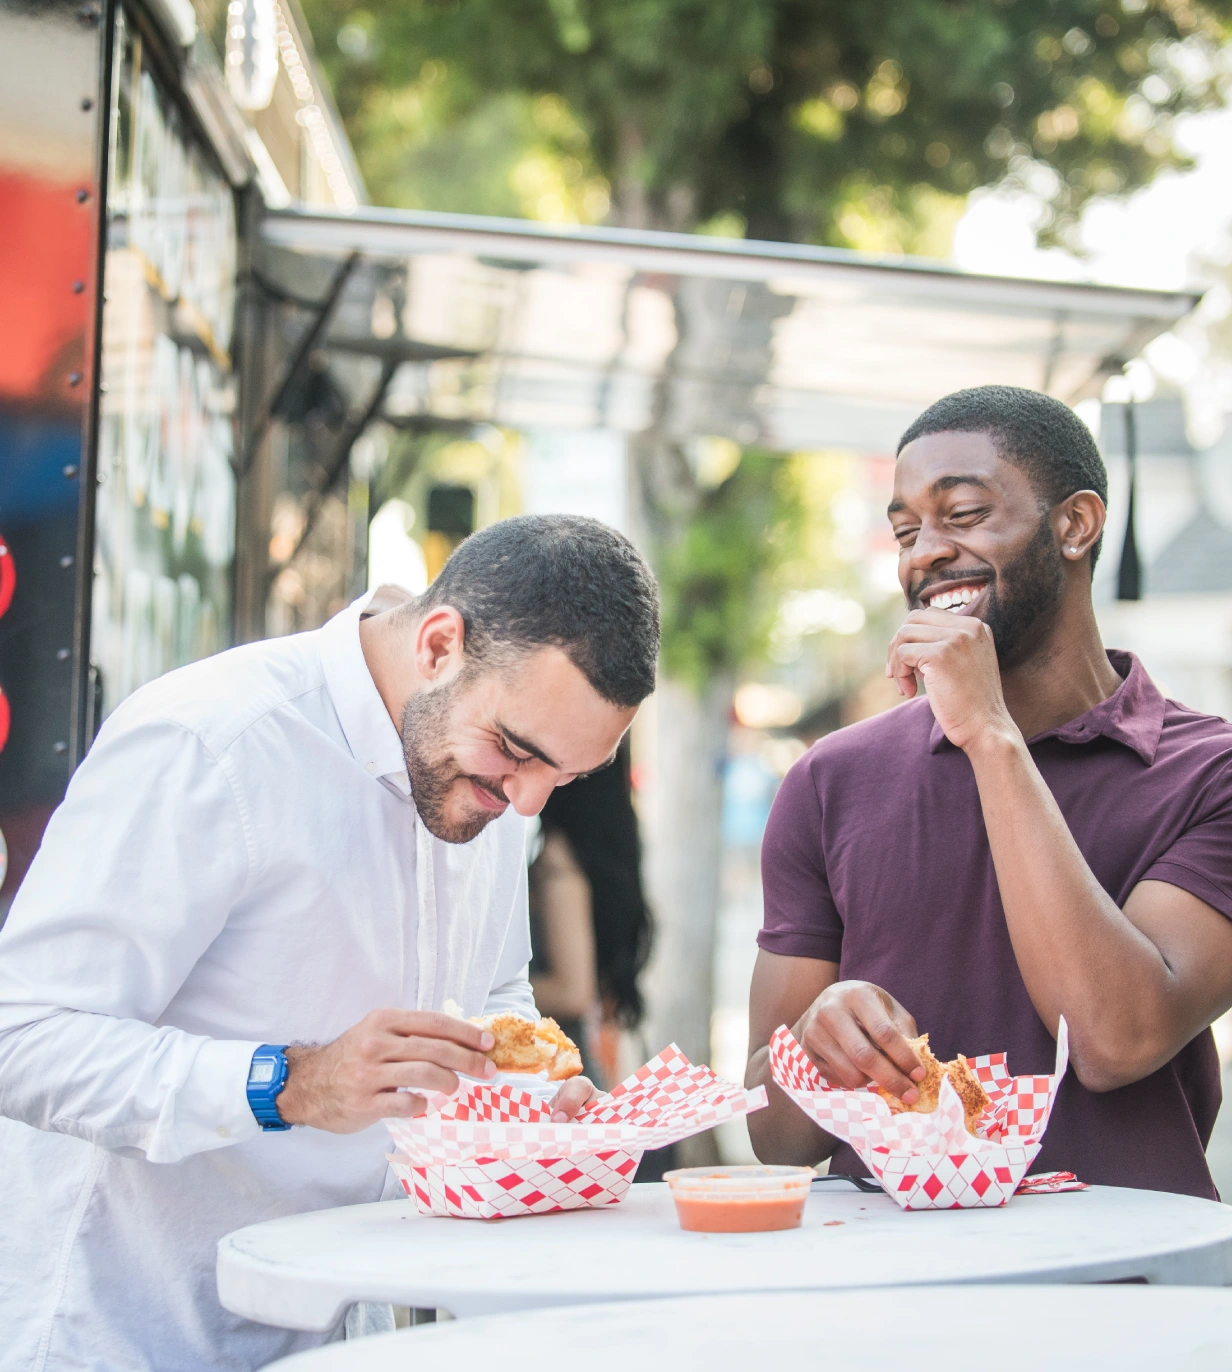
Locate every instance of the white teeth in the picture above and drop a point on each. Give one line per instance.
(953, 600)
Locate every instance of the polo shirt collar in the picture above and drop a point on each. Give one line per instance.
(370, 733)
(1133, 715)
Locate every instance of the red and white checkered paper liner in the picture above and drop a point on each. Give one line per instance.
(931, 1162)
(488, 1189)
(491, 1151)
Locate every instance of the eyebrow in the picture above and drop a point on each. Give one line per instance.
(528, 747)
(942, 483)
(602, 767)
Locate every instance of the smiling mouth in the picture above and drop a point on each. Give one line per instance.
(496, 804)
(955, 596)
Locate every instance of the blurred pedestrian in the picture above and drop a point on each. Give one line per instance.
(590, 924)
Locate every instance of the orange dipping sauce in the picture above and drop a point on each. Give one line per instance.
(740, 1200)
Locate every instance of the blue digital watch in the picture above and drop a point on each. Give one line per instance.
(266, 1077)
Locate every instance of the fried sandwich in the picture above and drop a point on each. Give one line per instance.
(527, 1045)
(973, 1096)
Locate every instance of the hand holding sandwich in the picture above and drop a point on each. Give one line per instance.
(857, 1033)
(377, 1069)
(358, 1079)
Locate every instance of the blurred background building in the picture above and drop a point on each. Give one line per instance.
(694, 281)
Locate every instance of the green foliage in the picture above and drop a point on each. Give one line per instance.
(813, 120)
(717, 570)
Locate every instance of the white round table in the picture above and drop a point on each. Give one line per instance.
(303, 1271)
(1010, 1328)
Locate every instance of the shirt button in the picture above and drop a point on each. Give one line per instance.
(370, 768)
(223, 1132)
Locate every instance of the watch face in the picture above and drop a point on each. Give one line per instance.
(261, 1072)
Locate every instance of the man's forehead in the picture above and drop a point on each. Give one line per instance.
(546, 707)
(934, 464)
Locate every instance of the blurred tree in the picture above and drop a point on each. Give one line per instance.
(811, 120)
(860, 125)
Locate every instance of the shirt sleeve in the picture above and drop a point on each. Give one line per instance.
(511, 988)
(137, 873)
(1198, 861)
(800, 917)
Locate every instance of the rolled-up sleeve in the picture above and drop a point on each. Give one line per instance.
(800, 917)
(137, 874)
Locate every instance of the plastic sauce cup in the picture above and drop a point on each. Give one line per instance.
(739, 1200)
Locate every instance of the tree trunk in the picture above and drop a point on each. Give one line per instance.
(683, 849)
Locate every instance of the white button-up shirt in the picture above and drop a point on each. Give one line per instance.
(238, 861)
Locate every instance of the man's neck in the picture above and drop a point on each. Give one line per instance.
(386, 664)
(1065, 677)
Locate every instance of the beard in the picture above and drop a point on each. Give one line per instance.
(1021, 615)
(432, 771)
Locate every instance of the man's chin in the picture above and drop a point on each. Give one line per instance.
(459, 828)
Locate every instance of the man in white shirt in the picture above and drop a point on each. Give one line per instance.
(310, 841)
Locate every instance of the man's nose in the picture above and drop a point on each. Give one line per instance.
(931, 547)
(528, 791)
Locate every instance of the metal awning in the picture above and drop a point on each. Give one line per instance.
(531, 325)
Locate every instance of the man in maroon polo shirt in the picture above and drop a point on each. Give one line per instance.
(1044, 834)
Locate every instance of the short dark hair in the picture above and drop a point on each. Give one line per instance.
(1041, 435)
(561, 581)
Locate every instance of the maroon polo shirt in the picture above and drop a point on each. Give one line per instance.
(876, 857)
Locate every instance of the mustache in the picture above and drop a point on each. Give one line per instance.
(492, 788)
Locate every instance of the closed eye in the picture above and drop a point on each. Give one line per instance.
(906, 536)
(968, 516)
(509, 753)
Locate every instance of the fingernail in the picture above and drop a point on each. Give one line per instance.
(489, 1068)
(910, 1097)
(486, 1041)
(560, 1117)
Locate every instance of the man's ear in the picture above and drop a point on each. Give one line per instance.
(1078, 521)
(439, 641)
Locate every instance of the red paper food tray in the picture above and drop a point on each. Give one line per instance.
(492, 1152)
(931, 1162)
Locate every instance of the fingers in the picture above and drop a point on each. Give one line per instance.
(411, 1048)
(419, 1076)
(939, 630)
(909, 659)
(892, 1044)
(870, 1061)
(573, 1096)
(401, 1105)
(431, 1024)
(858, 1033)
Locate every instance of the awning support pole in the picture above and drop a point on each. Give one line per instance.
(299, 359)
(339, 457)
